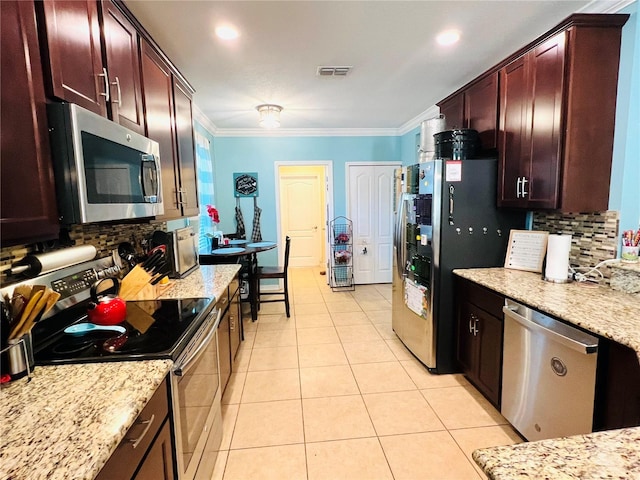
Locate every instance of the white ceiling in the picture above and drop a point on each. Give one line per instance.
(399, 71)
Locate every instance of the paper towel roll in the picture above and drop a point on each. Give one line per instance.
(558, 249)
(33, 265)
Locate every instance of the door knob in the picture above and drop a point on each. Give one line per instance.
(364, 251)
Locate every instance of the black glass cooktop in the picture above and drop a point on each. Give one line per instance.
(154, 329)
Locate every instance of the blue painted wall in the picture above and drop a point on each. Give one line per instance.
(258, 154)
(625, 175)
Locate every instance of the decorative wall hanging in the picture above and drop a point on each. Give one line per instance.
(245, 184)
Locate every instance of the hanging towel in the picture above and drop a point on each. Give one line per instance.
(240, 228)
(256, 235)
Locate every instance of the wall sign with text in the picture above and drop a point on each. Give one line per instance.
(245, 184)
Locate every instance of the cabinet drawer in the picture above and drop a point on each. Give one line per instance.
(488, 300)
(129, 453)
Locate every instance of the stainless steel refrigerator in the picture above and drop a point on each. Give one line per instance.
(445, 218)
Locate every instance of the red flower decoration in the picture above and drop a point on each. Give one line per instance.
(213, 214)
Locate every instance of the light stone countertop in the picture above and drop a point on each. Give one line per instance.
(68, 420)
(599, 309)
(205, 281)
(606, 312)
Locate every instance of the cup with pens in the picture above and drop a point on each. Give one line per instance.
(630, 246)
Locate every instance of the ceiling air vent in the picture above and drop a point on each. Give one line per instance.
(333, 71)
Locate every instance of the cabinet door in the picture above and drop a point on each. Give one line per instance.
(489, 360)
(453, 111)
(235, 323)
(466, 341)
(513, 134)
(481, 110)
(75, 60)
(186, 150)
(28, 195)
(123, 66)
(158, 464)
(547, 81)
(158, 101)
(224, 350)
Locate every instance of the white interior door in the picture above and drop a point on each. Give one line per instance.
(302, 205)
(370, 206)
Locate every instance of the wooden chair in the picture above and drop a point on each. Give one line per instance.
(279, 272)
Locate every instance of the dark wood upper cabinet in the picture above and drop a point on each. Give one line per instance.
(481, 110)
(75, 66)
(109, 84)
(557, 115)
(157, 88)
(476, 107)
(123, 67)
(530, 115)
(186, 149)
(513, 136)
(28, 195)
(453, 110)
(168, 111)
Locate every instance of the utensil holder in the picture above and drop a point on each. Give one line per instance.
(17, 357)
(630, 254)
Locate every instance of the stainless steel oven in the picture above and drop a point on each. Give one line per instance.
(196, 398)
(183, 330)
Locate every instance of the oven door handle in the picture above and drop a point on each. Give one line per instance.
(180, 369)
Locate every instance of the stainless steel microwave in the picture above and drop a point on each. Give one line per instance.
(103, 171)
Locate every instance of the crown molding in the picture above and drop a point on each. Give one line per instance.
(608, 6)
(203, 120)
(432, 111)
(307, 132)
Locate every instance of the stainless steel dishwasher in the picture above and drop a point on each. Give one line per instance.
(548, 375)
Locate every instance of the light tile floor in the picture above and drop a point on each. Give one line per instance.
(331, 393)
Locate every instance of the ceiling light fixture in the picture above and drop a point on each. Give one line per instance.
(227, 32)
(448, 37)
(269, 115)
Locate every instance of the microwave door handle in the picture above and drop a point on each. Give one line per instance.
(150, 166)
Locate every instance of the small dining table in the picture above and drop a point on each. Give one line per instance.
(237, 251)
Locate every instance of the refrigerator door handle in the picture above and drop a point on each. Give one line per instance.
(451, 190)
(399, 235)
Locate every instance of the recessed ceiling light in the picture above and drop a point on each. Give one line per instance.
(448, 37)
(227, 32)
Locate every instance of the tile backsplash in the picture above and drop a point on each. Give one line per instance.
(105, 237)
(594, 236)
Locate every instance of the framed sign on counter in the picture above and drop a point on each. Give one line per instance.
(245, 184)
(526, 250)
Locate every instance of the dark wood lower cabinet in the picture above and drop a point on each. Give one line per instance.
(479, 339)
(146, 452)
(617, 387)
(158, 464)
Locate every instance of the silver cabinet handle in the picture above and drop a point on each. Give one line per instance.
(136, 441)
(119, 99)
(524, 192)
(105, 76)
(518, 187)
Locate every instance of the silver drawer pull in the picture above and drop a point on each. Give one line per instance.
(136, 441)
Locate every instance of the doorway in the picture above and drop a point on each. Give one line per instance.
(370, 207)
(304, 205)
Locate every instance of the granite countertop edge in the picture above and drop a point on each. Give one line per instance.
(67, 420)
(599, 309)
